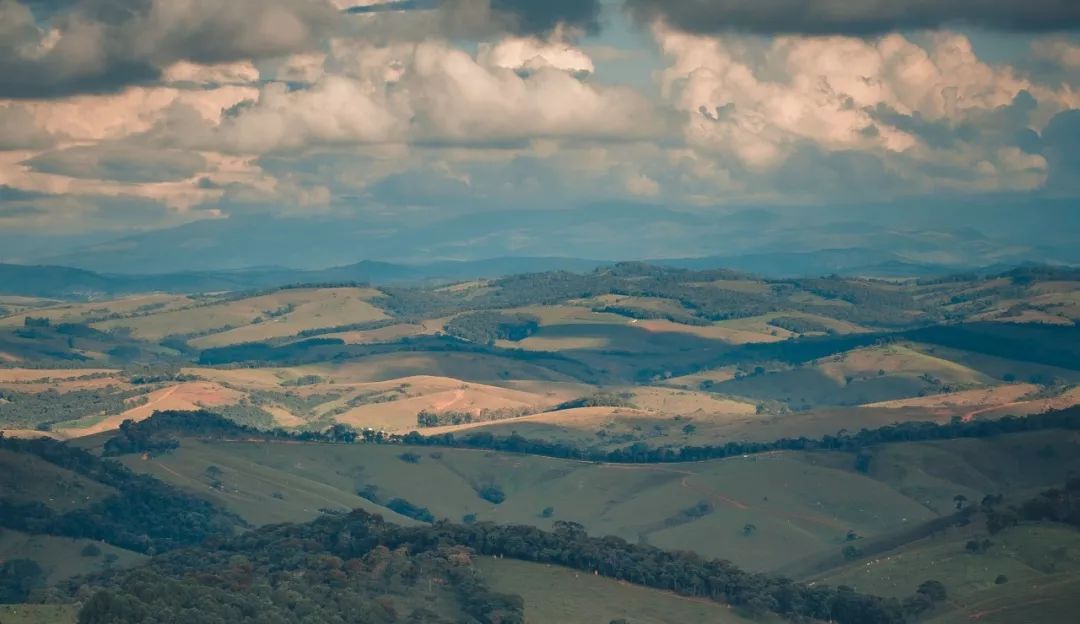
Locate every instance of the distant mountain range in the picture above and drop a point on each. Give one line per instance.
(72, 283)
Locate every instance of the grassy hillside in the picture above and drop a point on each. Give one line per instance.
(797, 505)
(556, 595)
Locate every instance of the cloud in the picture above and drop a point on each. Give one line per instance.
(94, 46)
(1062, 140)
(426, 93)
(857, 17)
(935, 117)
(19, 129)
(528, 54)
(122, 163)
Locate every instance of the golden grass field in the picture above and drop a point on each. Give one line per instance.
(235, 320)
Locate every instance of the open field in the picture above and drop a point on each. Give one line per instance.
(98, 310)
(800, 505)
(282, 313)
(25, 478)
(555, 595)
(62, 558)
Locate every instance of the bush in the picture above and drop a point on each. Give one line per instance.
(492, 494)
(409, 510)
(547, 512)
(90, 550)
(409, 458)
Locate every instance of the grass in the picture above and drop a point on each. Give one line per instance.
(802, 504)
(81, 312)
(25, 477)
(60, 557)
(556, 595)
(283, 313)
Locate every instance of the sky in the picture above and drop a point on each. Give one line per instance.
(121, 116)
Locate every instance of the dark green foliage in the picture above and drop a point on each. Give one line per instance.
(601, 399)
(284, 579)
(491, 493)
(90, 550)
(26, 410)
(800, 325)
(409, 510)
(934, 590)
(262, 352)
(146, 515)
(18, 577)
(335, 565)
(409, 458)
(487, 327)
(547, 512)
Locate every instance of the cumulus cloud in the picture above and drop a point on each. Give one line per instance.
(861, 17)
(532, 53)
(103, 45)
(429, 92)
(934, 116)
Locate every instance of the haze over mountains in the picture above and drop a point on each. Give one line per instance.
(896, 240)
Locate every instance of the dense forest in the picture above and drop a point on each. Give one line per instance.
(145, 515)
(337, 565)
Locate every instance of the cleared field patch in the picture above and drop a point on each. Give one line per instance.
(98, 310)
(390, 333)
(398, 411)
(897, 360)
(294, 309)
(719, 332)
(1027, 555)
(479, 367)
(555, 595)
(182, 396)
(62, 558)
(326, 308)
(27, 478)
(264, 483)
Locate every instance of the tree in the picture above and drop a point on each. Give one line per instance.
(959, 500)
(547, 512)
(934, 590)
(18, 577)
(749, 529)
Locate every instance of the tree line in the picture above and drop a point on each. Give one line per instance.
(148, 434)
(145, 515)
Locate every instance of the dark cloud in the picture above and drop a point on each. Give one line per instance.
(86, 46)
(858, 17)
(1061, 138)
(119, 163)
(12, 194)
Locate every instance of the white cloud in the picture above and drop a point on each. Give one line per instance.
(532, 53)
(758, 102)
